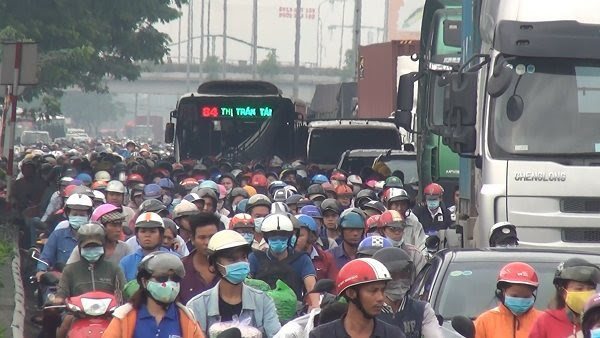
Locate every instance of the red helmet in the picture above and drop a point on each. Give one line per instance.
(361, 271)
(373, 222)
(343, 189)
(241, 221)
(259, 180)
(391, 218)
(518, 273)
(433, 189)
(189, 183)
(134, 178)
(395, 194)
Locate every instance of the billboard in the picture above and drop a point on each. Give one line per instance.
(404, 19)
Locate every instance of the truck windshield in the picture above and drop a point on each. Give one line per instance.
(559, 113)
(327, 145)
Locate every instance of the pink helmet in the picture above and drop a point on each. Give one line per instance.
(103, 210)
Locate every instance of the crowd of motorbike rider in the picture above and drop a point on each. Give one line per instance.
(276, 249)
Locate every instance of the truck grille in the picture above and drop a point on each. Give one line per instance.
(580, 205)
(581, 235)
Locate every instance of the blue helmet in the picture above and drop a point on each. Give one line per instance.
(307, 222)
(209, 184)
(370, 245)
(276, 185)
(85, 178)
(166, 183)
(311, 210)
(241, 206)
(319, 179)
(351, 220)
(152, 191)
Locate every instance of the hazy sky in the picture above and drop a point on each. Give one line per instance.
(276, 28)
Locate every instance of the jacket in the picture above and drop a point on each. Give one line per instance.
(499, 322)
(416, 318)
(256, 306)
(552, 324)
(324, 264)
(123, 323)
(81, 277)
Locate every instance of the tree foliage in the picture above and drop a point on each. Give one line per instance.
(269, 67)
(91, 110)
(212, 67)
(81, 42)
(349, 65)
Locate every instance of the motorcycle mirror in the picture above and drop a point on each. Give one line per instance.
(432, 243)
(35, 254)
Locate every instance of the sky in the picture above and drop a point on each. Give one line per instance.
(321, 32)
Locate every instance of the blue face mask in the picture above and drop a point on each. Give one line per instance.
(595, 333)
(249, 237)
(92, 254)
(278, 245)
(433, 204)
(77, 221)
(518, 305)
(235, 273)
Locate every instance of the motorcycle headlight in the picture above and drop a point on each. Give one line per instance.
(95, 307)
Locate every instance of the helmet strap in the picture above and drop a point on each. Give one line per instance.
(356, 301)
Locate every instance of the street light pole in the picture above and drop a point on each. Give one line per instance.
(297, 48)
(254, 36)
(320, 32)
(342, 35)
(356, 37)
(224, 37)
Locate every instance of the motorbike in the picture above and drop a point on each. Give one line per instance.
(92, 311)
(45, 291)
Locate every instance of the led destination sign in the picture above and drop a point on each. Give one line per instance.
(231, 112)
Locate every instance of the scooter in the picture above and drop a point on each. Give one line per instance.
(46, 291)
(92, 311)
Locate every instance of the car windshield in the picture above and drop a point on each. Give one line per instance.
(327, 145)
(552, 106)
(468, 288)
(406, 165)
(29, 138)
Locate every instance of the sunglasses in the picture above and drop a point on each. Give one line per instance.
(164, 279)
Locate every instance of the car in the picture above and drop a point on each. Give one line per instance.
(353, 161)
(462, 282)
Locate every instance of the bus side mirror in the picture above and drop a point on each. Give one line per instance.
(169, 132)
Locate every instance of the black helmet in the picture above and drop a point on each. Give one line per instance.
(576, 269)
(364, 196)
(375, 205)
(396, 261)
(315, 191)
(330, 205)
(152, 205)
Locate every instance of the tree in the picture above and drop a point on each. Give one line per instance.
(80, 42)
(269, 67)
(212, 67)
(91, 110)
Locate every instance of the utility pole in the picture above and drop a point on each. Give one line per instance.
(201, 39)
(386, 14)
(208, 31)
(179, 39)
(297, 48)
(254, 36)
(189, 47)
(224, 37)
(192, 32)
(356, 37)
(342, 35)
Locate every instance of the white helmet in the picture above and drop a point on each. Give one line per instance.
(115, 186)
(149, 220)
(355, 180)
(226, 239)
(102, 175)
(79, 202)
(276, 222)
(185, 208)
(99, 196)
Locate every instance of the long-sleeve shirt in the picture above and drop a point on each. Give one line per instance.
(54, 205)
(58, 248)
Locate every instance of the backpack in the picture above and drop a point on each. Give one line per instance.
(272, 270)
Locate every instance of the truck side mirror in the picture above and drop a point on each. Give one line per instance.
(404, 100)
(464, 141)
(462, 100)
(169, 132)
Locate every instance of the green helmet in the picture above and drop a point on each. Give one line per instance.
(393, 182)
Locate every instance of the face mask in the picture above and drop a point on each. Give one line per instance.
(235, 273)
(278, 245)
(249, 237)
(258, 223)
(433, 204)
(518, 305)
(397, 289)
(92, 254)
(396, 243)
(576, 300)
(77, 221)
(163, 292)
(595, 333)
